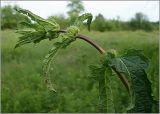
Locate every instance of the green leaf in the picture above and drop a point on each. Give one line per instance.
(46, 64)
(30, 25)
(36, 29)
(102, 75)
(29, 37)
(95, 71)
(80, 19)
(48, 25)
(67, 39)
(133, 64)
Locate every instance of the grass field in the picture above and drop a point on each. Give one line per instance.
(23, 87)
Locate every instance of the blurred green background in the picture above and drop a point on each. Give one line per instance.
(22, 85)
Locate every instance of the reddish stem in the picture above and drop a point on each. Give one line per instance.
(122, 78)
(99, 48)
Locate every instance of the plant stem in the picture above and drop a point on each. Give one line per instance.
(99, 48)
(102, 51)
(123, 79)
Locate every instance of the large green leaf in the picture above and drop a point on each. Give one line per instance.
(133, 64)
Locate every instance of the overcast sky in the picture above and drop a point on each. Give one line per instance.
(110, 9)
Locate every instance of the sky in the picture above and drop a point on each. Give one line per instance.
(109, 9)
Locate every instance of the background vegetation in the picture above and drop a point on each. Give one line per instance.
(11, 19)
(22, 85)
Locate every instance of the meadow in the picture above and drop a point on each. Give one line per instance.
(23, 88)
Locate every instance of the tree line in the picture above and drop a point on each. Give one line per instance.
(10, 19)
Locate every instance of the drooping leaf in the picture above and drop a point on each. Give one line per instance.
(102, 75)
(134, 64)
(67, 39)
(80, 19)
